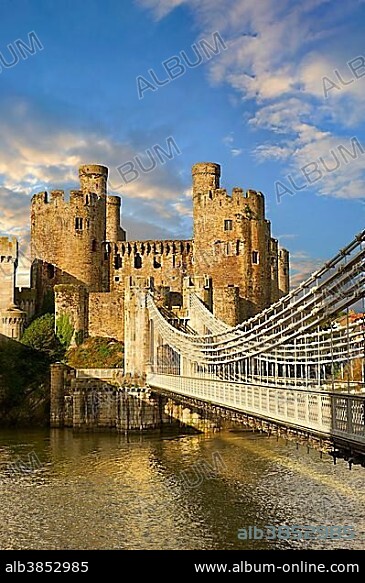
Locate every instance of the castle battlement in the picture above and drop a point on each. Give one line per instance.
(150, 247)
(250, 203)
(57, 198)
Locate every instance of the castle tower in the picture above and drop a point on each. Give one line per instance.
(12, 319)
(274, 271)
(13, 322)
(232, 244)
(69, 238)
(8, 266)
(283, 272)
(94, 178)
(206, 176)
(114, 231)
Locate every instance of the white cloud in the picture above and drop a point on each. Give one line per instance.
(277, 56)
(161, 8)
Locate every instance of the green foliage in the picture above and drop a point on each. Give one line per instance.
(64, 330)
(79, 337)
(40, 335)
(97, 352)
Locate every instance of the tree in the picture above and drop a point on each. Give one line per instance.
(40, 335)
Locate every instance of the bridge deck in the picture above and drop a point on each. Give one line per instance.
(329, 414)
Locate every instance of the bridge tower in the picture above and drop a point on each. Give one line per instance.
(138, 339)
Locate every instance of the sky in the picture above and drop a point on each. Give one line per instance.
(272, 90)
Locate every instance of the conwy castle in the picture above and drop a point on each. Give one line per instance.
(84, 267)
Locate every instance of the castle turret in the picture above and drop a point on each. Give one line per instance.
(13, 322)
(206, 176)
(8, 265)
(283, 272)
(94, 178)
(114, 231)
(274, 270)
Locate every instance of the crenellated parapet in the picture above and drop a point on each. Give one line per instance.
(153, 247)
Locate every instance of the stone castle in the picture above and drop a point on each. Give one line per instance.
(83, 264)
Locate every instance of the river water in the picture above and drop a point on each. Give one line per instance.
(109, 491)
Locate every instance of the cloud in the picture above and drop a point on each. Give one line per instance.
(302, 266)
(161, 8)
(278, 54)
(229, 142)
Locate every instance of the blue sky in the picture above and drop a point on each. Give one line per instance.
(260, 107)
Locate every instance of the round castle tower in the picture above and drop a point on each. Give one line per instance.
(206, 176)
(94, 178)
(13, 322)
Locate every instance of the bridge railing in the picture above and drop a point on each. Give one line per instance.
(324, 413)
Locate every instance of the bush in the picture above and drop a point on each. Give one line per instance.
(64, 330)
(40, 336)
(97, 352)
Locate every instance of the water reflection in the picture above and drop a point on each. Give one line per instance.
(106, 491)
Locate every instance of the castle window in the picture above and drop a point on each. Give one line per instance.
(285, 271)
(137, 261)
(156, 262)
(217, 248)
(94, 245)
(116, 279)
(107, 250)
(228, 224)
(78, 223)
(255, 257)
(50, 271)
(239, 247)
(118, 262)
(87, 199)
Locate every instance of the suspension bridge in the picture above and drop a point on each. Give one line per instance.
(292, 366)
